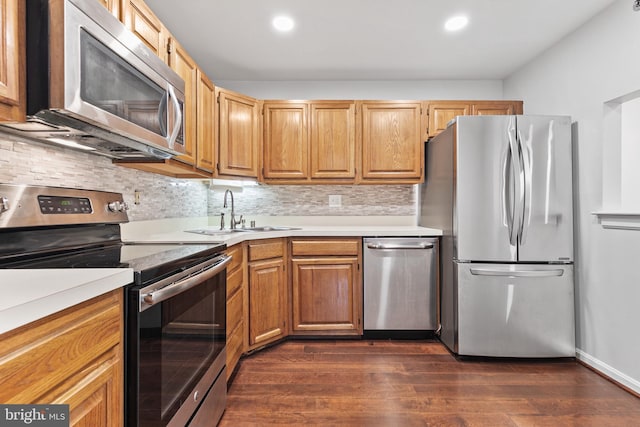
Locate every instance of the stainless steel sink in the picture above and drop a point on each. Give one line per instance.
(213, 232)
(271, 228)
(210, 232)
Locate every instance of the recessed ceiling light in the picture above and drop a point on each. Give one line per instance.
(456, 23)
(283, 23)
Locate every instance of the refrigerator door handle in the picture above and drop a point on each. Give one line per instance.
(516, 164)
(505, 196)
(528, 178)
(518, 273)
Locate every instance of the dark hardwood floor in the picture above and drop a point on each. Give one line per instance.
(413, 383)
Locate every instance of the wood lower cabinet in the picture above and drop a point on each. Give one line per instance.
(392, 141)
(236, 292)
(239, 124)
(442, 112)
(72, 357)
(267, 292)
(12, 61)
(326, 286)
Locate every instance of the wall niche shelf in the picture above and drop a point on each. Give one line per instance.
(622, 220)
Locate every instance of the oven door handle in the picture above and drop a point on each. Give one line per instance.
(152, 298)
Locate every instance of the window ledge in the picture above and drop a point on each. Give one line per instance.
(620, 220)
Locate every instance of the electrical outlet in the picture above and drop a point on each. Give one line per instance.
(335, 200)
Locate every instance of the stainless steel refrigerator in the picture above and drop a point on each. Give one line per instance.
(500, 188)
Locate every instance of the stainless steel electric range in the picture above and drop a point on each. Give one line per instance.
(175, 311)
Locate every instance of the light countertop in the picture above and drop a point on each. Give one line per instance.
(29, 295)
(175, 230)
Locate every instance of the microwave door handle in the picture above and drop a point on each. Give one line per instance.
(163, 114)
(177, 124)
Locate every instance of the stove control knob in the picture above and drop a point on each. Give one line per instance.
(117, 206)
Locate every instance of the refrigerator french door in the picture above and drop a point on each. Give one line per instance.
(507, 249)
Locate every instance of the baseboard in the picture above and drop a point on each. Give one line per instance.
(609, 372)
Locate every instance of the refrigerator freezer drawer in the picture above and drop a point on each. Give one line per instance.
(516, 310)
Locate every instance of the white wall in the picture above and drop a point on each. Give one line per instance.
(372, 89)
(597, 63)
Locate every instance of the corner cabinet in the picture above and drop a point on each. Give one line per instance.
(393, 136)
(73, 357)
(239, 134)
(268, 301)
(326, 286)
(442, 112)
(12, 61)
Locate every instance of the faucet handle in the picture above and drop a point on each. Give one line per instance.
(239, 220)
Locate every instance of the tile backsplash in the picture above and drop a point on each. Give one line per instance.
(164, 197)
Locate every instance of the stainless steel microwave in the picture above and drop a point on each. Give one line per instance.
(93, 85)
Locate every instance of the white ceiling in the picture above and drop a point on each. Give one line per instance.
(369, 39)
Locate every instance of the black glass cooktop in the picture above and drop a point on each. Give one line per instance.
(149, 261)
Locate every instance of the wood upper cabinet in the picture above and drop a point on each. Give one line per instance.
(502, 108)
(141, 21)
(442, 112)
(206, 141)
(326, 287)
(239, 124)
(112, 6)
(72, 357)
(268, 301)
(285, 140)
(12, 61)
(185, 66)
(333, 140)
(392, 141)
(312, 141)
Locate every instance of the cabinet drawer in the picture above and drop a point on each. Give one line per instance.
(266, 249)
(237, 256)
(234, 281)
(325, 247)
(234, 310)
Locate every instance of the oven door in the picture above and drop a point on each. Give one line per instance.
(176, 336)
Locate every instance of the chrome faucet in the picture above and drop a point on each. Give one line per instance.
(232, 221)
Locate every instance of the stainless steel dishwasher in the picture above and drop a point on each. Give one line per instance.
(400, 285)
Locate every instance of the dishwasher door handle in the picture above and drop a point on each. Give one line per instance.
(382, 246)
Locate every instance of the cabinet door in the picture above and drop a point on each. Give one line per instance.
(12, 61)
(285, 141)
(205, 127)
(181, 63)
(326, 295)
(267, 302)
(239, 135)
(392, 143)
(333, 140)
(142, 22)
(95, 399)
(441, 113)
(483, 108)
(112, 6)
